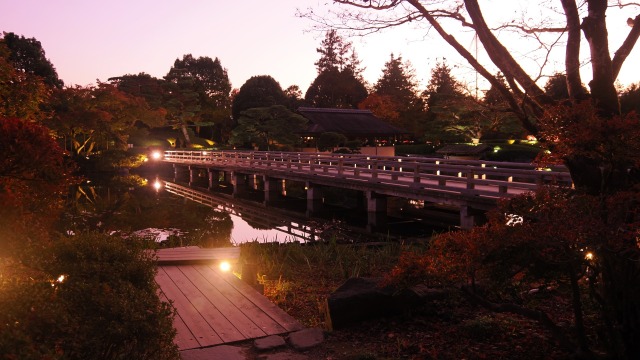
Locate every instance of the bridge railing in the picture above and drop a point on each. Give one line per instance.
(417, 171)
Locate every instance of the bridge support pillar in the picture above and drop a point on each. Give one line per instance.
(272, 188)
(214, 177)
(314, 198)
(192, 175)
(469, 217)
(376, 211)
(238, 183)
(175, 173)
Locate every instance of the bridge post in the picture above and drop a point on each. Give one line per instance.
(238, 183)
(314, 198)
(272, 187)
(468, 217)
(175, 172)
(214, 177)
(192, 176)
(376, 211)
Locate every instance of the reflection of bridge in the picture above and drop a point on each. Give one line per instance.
(253, 214)
(471, 186)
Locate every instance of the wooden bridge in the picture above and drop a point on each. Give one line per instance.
(470, 185)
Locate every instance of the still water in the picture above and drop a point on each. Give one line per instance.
(177, 215)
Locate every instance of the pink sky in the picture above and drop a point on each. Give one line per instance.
(89, 40)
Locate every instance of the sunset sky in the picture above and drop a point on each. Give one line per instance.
(89, 40)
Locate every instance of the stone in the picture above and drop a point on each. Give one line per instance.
(269, 342)
(306, 338)
(359, 299)
(217, 352)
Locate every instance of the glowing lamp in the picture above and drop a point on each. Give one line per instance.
(156, 155)
(157, 185)
(588, 256)
(225, 266)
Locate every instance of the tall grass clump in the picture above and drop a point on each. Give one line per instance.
(299, 276)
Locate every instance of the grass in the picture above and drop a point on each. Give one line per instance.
(298, 277)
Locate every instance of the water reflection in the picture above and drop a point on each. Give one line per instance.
(177, 215)
(130, 205)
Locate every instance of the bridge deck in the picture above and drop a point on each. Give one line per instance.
(214, 307)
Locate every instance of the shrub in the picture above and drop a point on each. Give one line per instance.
(106, 307)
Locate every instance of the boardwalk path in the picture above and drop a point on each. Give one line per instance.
(215, 307)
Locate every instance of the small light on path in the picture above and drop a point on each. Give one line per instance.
(225, 266)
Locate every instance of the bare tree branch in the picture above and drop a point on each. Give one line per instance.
(625, 49)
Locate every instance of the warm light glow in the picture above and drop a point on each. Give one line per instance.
(225, 266)
(61, 278)
(588, 256)
(156, 155)
(157, 185)
(513, 219)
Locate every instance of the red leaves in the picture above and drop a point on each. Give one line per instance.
(578, 130)
(33, 174)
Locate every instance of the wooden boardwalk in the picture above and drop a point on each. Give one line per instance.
(215, 307)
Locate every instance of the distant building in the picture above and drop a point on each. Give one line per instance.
(376, 136)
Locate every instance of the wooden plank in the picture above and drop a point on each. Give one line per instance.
(184, 338)
(214, 315)
(196, 254)
(258, 315)
(205, 335)
(229, 301)
(272, 310)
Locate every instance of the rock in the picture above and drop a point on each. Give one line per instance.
(269, 342)
(359, 299)
(306, 339)
(419, 294)
(217, 352)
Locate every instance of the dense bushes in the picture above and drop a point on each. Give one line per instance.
(91, 297)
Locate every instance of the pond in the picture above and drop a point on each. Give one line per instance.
(174, 214)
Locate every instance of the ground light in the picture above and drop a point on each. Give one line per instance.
(157, 185)
(156, 155)
(225, 266)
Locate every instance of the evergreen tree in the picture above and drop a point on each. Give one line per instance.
(398, 84)
(28, 55)
(630, 99)
(339, 83)
(203, 88)
(444, 98)
(258, 91)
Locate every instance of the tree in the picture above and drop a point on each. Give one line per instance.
(21, 93)
(33, 176)
(336, 89)
(446, 103)
(524, 95)
(27, 55)
(142, 85)
(398, 82)
(333, 52)
(598, 154)
(268, 126)
(88, 118)
(211, 82)
(339, 83)
(197, 92)
(630, 99)
(258, 91)
(294, 97)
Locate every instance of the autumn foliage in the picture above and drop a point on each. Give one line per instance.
(34, 175)
(580, 251)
